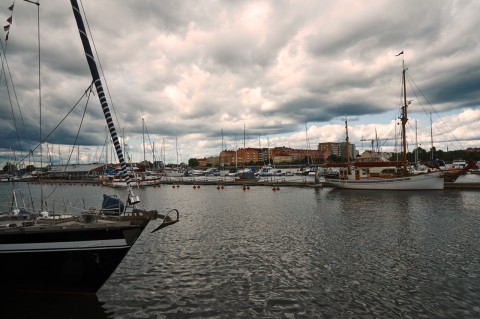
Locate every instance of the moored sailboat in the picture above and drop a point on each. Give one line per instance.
(358, 176)
(77, 252)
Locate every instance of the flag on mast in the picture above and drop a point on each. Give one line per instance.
(9, 20)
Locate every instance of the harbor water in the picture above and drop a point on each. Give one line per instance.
(296, 252)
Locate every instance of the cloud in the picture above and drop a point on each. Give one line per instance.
(194, 69)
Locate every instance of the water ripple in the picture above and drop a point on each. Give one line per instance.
(304, 253)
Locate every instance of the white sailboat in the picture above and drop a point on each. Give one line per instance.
(358, 176)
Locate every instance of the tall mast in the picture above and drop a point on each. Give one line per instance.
(236, 152)
(431, 134)
(222, 163)
(39, 99)
(244, 136)
(269, 152)
(132, 199)
(163, 150)
(308, 146)
(416, 143)
(404, 119)
(347, 143)
(143, 135)
(176, 148)
(244, 153)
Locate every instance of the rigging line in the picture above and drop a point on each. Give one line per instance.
(419, 140)
(60, 123)
(4, 49)
(2, 57)
(5, 62)
(13, 113)
(442, 132)
(434, 110)
(148, 135)
(95, 156)
(90, 91)
(100, 65)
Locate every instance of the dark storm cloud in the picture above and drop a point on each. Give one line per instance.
(193, 68)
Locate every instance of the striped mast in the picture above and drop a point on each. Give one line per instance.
(132, 199)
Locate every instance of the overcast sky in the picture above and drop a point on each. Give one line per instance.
(286, 71)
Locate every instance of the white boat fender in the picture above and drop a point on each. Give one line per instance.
(44, 214)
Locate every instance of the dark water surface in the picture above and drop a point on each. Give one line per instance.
(297, 253)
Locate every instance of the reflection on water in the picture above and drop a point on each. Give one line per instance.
(35, 306)
(305, 253)
(302, 253)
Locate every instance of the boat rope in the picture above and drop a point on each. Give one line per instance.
(5, 70)
(444, 125)
(60, 123)
(90, 91)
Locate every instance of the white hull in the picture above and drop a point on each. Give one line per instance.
(429, 181)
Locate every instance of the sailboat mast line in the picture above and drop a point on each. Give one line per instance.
(98, 86)
(444, 127)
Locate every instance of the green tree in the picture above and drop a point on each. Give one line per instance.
(9, 168)
(30, 168)
(193, 162)
(334, 158)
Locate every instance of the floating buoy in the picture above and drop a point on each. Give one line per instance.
(278, 188)
(221, 187)
(248, 187)
(218, 187)
(173, 186)
(198, 186)
(244, 188)
(194, 186)
(274, 189)
(178, 186)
